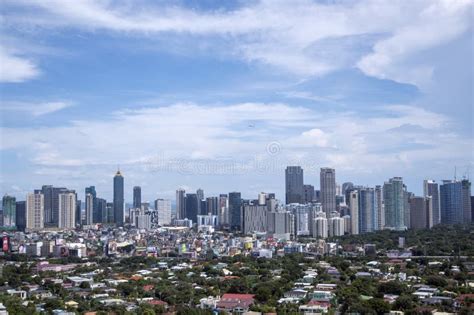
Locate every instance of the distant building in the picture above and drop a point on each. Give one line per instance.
(394, 201)
(328, 189)
(254, 218)
(212, 204)
(354, 210)
(294, 192)
(180, 204)
(67, 210)
(101, 216)
(320, 227)
(21, 215)
(223, 211)
(335, 226)
(35, 211)
(431, 189)
(367, 213)
(118, 199)
(9, 212)
(90, 201)
(466, 200)
(308, 193)
(379, 208)
(192, 207)
(451, 204)
(137, 197)
(163, 206)
(421, 212)
(235, 210)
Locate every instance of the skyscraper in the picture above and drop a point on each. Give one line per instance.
(51, 203)
(35, 211)
(163, 206)
(101, 211)
(67, 210)
(431, 189)
(294, 192)
(9, 212)
(394, 201)
(91, 204)
(451, 202)
(212, 204)
(367, 213)
(191, 206)
(466, 201)
(118, 199)
(223, 214)
(137, 197)
(353, 201)
(379, 208)
(180, 204)
(78, 212)
(235, 210)
(21, 215)
(308, 193)
(421, 212)
(328, 190)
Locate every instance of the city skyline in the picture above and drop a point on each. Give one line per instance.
(193, 94)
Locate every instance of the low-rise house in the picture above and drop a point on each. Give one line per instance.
(235, 303)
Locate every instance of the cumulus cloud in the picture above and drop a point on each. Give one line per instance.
(14, 68)
(307, 38)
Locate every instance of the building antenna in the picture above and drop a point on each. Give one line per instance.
(455, 173)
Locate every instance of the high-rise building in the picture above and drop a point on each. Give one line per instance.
(223, 215)
(90, 201)
(431, 189)
(346, 187)
(192, 207)
(21, 215)
(180, 204)
(78, 212)
(466, 201)
(118, 199)
(51, 203)
(254, 218)
(9, 212)
(163, 206)
(450, 193)
(35, 211)
(212, 204)
(406, 199)
(67, 210)
(235, 210)
(294, 192)
(421, 212)
(110, 212)
(367, 213)
(354, 210)
(328, 189)
(137, 197)
(200, 194)
(308, 193)
(336, 226)
(379, 208)
(320, 227)
(101, 211)
(394, 201)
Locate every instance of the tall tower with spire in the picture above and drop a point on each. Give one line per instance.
(118, 198)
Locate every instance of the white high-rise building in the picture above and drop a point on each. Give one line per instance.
(223, 211)
(336, 226)
(34, 211)
(320, 227)
(163, 206)
(67, 210)
(379, 207)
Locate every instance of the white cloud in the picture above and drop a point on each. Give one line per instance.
(35, 109)
(302, 37)
(14, 68)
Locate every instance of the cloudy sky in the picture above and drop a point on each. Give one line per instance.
(224, 94)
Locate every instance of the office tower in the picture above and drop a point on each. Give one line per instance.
(262, 199)
(110, 212)
(280, 224)
(67, 210)
(320, 227)
(118, 199)
(302, 218)
(254, 219)
(347, 224)
(137, 197)
(379, 208)
(200, 194)
(20, 215)
(317, 195)
(450, 193)
(466, 201)
(308, 193)
(328, 189)
(35, 211)
(235, 210)
(9, 212)
(200, 197)
(90, 201)
(223, 215)
(421, 212)
(367, 213)
(51, 203)
(212, 204)
(180, 204)
(336, 226)
(163, 206)
(354, 210)
(472, 207)
(431, 189)
(394, 201)
(406, 207)
(78, 212)
(101, 216)
(192, 207)
(294, 185)
(346, 187)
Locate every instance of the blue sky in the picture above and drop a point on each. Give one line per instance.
(223, 95)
